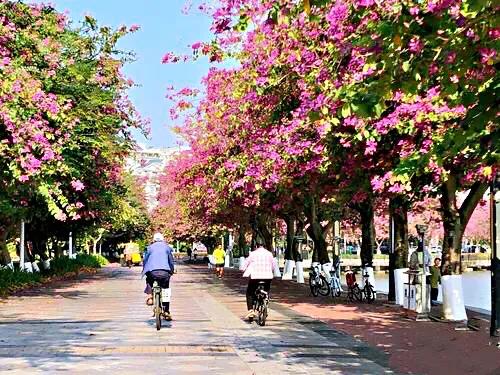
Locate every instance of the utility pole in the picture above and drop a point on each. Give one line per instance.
(70, 245)
(495, 256)
(21, 247)
(392, 261)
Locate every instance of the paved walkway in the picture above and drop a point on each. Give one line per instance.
(100, 324)
(410, 347)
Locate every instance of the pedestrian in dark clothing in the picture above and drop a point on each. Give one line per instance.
(435, 280)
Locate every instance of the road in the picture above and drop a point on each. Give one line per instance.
(100, 324)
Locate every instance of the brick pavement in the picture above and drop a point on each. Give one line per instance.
(411, 347)
(100, 324)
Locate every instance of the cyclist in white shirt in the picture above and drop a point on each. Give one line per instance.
(258, 267)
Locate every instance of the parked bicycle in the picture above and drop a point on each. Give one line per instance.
(318, 282)
(260, 303)
(335, 285)
(355, 293)
(368, 290)
(160, 295)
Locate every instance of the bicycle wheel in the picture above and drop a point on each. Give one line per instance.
(158, 310)
(262, 313)
(323, 287)
(336, 290)
(357, 294)
(369, 293)
(313, 285)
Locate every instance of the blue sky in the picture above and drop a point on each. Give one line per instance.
(164, 28)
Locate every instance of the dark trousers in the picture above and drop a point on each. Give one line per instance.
(434, 294)
(252, 287)
(163, 279)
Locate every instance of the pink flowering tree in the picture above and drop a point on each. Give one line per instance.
(64, 118)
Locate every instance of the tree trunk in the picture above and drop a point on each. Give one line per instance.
(262, 224)
(365, 210)
(4, 252)
(290, 234)
(398, 257)
(241, 240)
(455, 221)
(316, 232)
(296, 254)
(40, 248)
(398, 207)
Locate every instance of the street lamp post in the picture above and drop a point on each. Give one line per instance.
(21, 246)
(70, 245)
(424, 311)
(495, 256)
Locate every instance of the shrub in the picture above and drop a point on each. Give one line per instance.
(13, 280)
(101, 260)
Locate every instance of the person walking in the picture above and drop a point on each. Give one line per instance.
(435, 280)
(219, 256)
(158, 266)
(258, 267)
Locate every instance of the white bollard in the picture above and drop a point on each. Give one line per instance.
(288, 270)
(453, 298)
(227, 261)
(326, 270)
(400, 278)
(28, 268)
(241, 264)
(277, 272)
(35, 267)
(300, 272)
(46, 264)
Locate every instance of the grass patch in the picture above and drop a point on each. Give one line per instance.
(12, 281)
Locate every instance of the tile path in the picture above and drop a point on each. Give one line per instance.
(101, 324)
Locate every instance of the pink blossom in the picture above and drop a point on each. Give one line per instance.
(487, 55)
(61, 216)
(414, 11)
(134, 28)
(371, 147)
(77, 185)
(415, 45)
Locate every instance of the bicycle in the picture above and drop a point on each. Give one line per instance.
(353, 290)
(159, 295)
(260, 303)
(318, 282)
(368, 291)
(335, 285)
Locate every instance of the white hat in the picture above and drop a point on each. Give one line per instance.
(158, 237)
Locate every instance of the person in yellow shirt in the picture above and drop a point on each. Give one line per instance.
(219, 258)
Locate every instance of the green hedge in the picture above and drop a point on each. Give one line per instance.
(11, 281)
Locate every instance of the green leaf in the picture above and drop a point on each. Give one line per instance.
(346, 110)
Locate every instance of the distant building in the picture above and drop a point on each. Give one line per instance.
(149, 164)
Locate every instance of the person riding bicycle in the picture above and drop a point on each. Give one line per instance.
(158, 266)
(258, 267)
